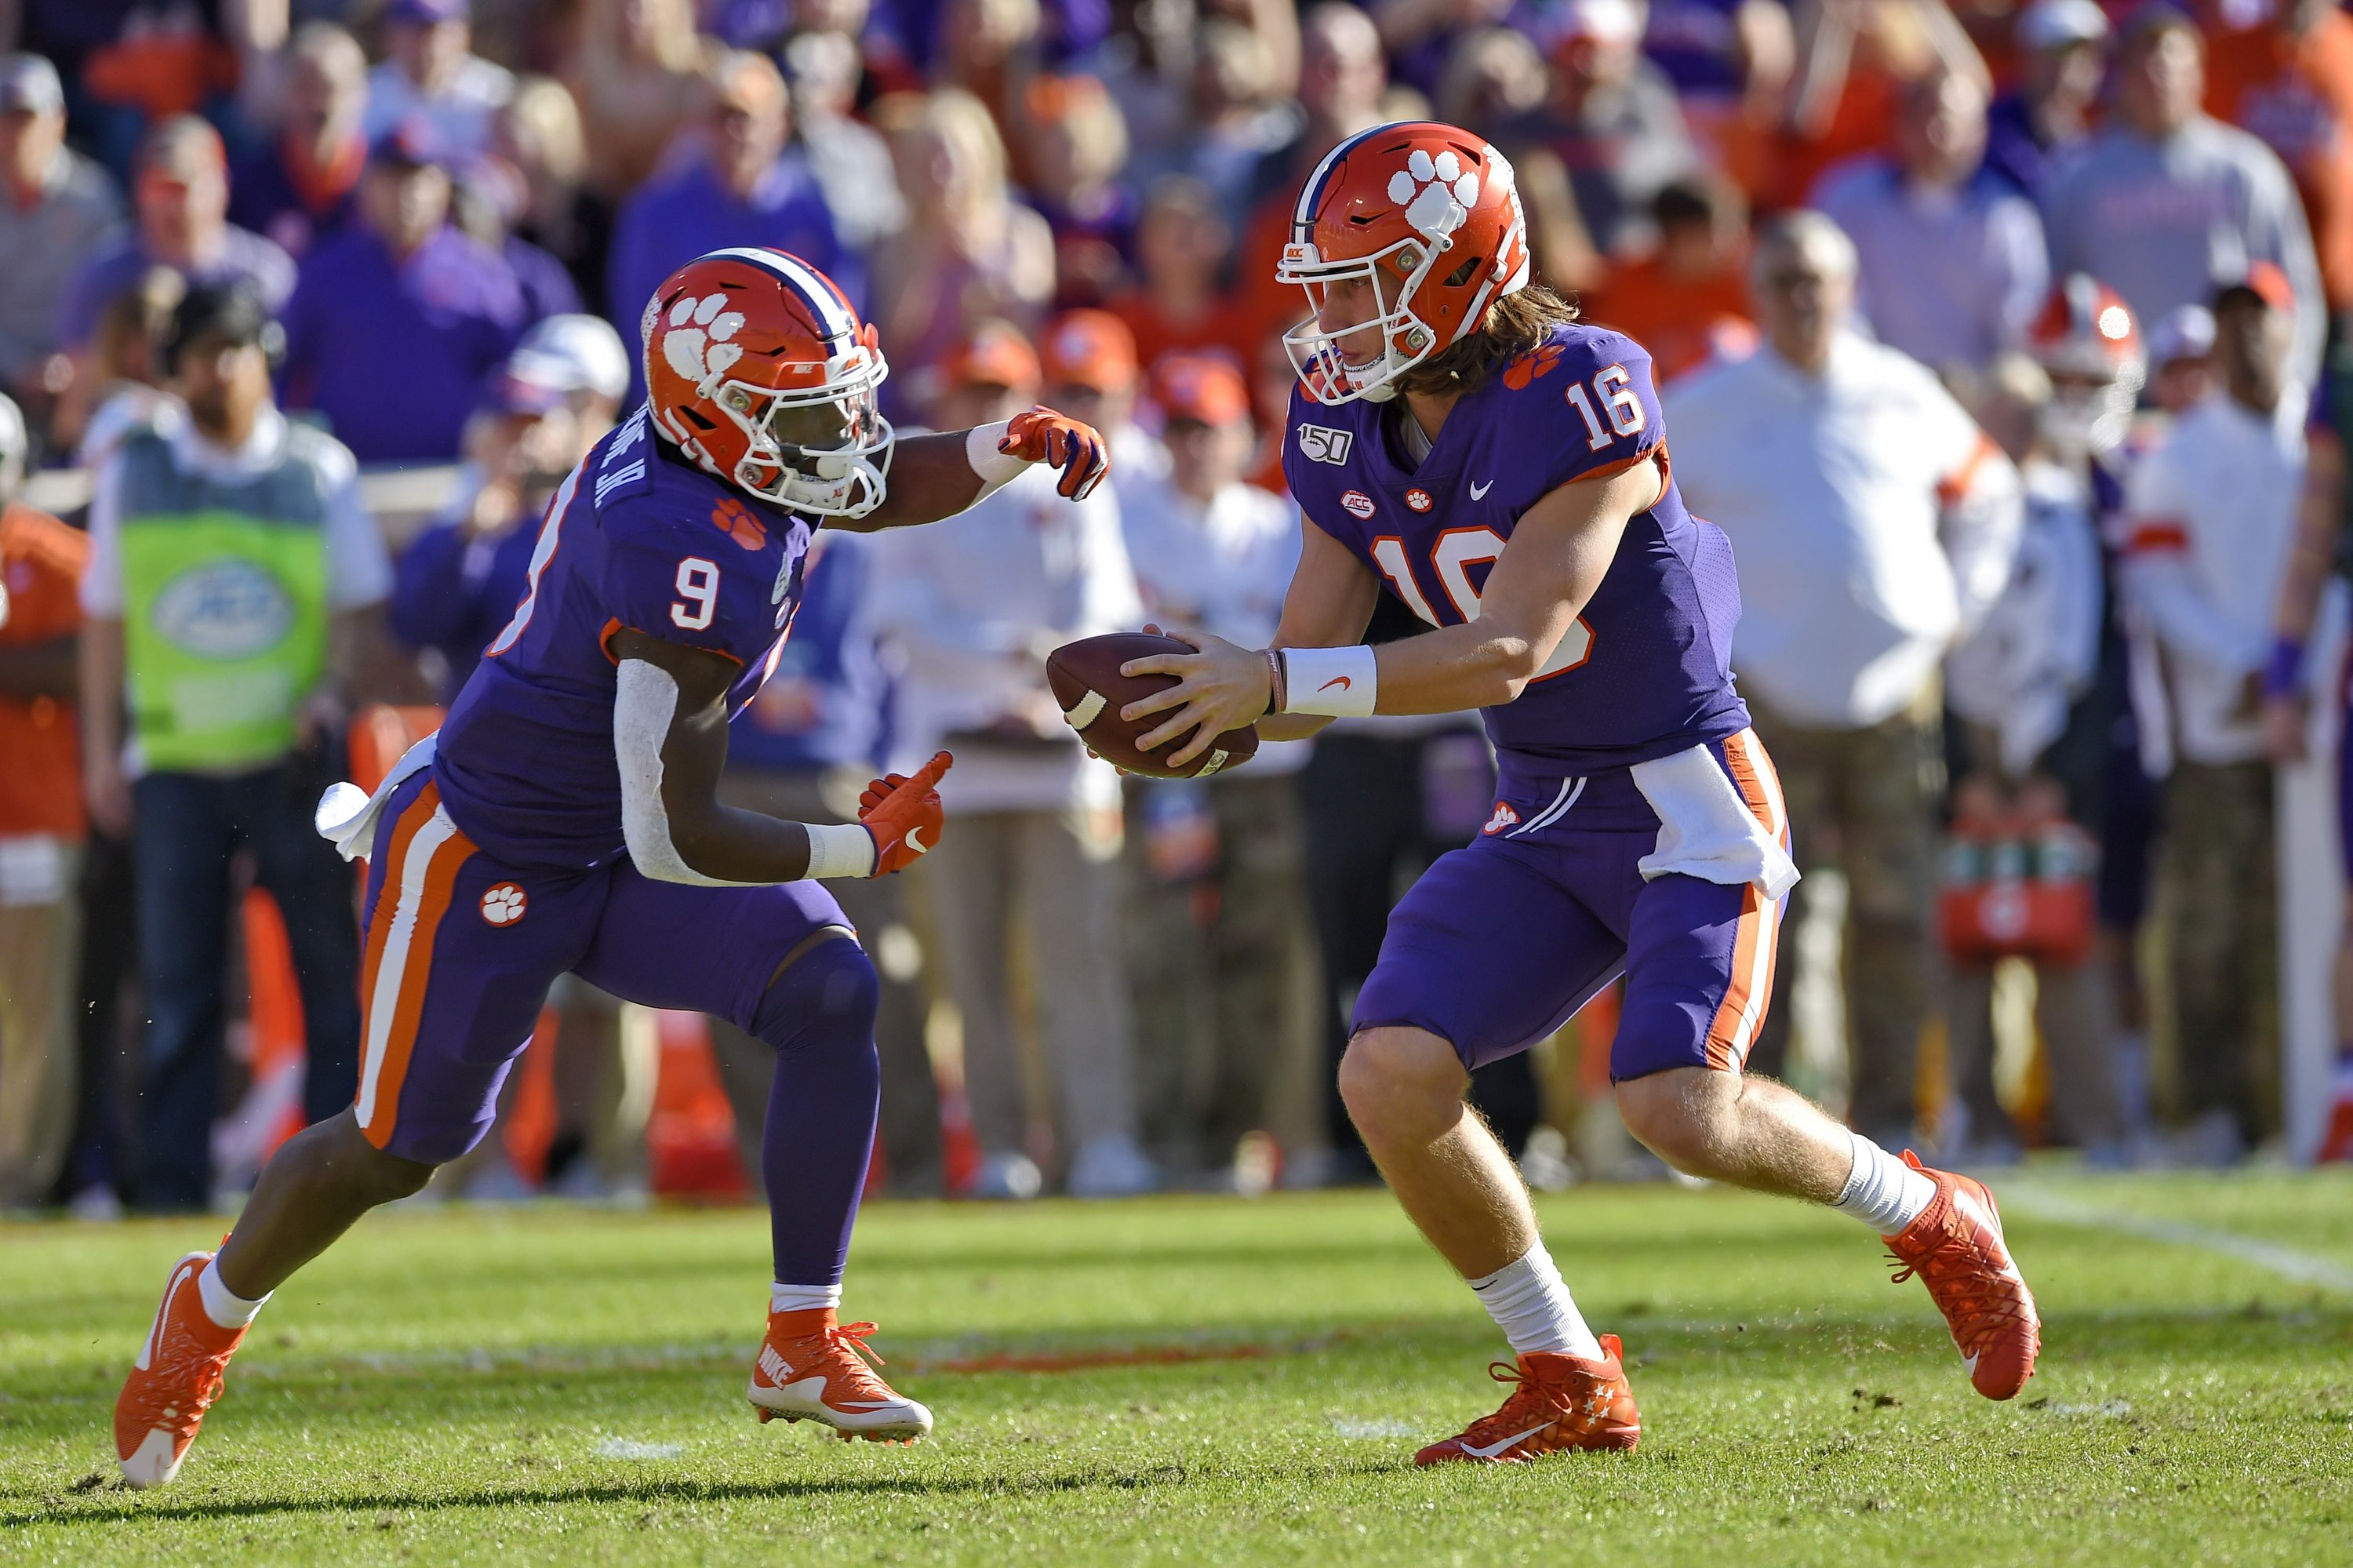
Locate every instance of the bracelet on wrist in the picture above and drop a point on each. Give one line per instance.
(1274, 692)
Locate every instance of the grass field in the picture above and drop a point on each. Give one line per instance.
(563, 1387)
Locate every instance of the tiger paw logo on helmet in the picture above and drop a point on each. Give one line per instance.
(696, 346)
(1437, 193)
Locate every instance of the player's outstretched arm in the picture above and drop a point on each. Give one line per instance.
(669, 737)
(1559, 552)
(937, 476)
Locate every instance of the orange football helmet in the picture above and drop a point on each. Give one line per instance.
(1429, 216)
(2087, 344)
(759, 371)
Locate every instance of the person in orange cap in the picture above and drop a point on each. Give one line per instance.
(1090, 364)
(1213, 553)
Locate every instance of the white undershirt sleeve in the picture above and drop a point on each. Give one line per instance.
(644, 699)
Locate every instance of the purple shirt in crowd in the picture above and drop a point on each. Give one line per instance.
(265, 198)
(395, 354)
(243, 255)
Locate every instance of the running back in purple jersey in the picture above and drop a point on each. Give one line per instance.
(636, 538)
(1646, 671)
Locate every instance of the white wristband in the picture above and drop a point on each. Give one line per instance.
(996, 469)
(844, 850)
(1337, 681)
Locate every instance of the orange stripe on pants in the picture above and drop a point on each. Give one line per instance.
(389, 1042)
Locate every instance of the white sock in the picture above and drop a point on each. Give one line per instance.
(224, 1307)
(803, 1297)
(1882, 1190)
(1532, 1305)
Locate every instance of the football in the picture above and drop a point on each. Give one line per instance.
(1087, 683)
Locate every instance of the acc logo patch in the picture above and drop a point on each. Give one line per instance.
(1322, 443)
(1358, 502)
(1418, 499)
(732, 518)
(1504, 817)
(505, 904)
(229, 609)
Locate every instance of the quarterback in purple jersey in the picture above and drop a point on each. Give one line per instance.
(1461, 439)
(565, 818)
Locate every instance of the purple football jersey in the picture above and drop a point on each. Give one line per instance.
(1646, 670)
(635, 538)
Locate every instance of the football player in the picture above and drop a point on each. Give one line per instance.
(1459, 439)
(565, 818)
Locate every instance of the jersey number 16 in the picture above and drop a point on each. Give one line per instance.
(1456, 552)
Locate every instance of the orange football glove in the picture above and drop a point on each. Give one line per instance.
(1059, 441)
(904, 815)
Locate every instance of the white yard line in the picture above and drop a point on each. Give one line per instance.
(2303, 1268)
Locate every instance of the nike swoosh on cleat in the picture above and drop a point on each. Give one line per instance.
(1479, 491)
(1344, 683)
(1492, 1450)
(1969, 1363)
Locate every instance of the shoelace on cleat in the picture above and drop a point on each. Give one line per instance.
(161, 1391)
(851, 1338)
(1529, 1397)
(1977, 1303)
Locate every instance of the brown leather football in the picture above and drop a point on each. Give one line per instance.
(1087, 683)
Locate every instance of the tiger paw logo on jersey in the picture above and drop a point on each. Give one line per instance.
(1531, 366)
(1504, 817)
(1358, 502)
(695, 344)
(1418, 499)
(504, 904)
(1437, 193)
(735, 519)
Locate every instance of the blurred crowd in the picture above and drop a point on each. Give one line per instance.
(2003, 340)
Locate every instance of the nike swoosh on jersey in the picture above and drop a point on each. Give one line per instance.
(1479, 491)
(1344, 683)
(1492, 1450)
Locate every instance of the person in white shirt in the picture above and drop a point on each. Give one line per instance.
(970, 610)
(1216, 910)
(2211, 518)
(1873, 525)
(433, 83)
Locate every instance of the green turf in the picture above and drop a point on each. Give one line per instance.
(562, 1386)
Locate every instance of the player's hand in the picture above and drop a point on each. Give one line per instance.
(106, 793)
(2285, 722)
(1218, 687)
(1059, 441)
(904, 815)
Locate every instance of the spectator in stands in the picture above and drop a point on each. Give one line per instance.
(536, 142)
(2182, 359)
(1240, 115)
(1495, 79)
(2165, 199)
(41, 830)
(398, 320)
(480, 198)
(1183, 243)
(2063, 60)
(1874, 524)
(180, 192)
(746, 188)
(2289, 79)
(1217, 911)
(1091, 375)
(303, 185)
(1730, 62)
(2212, 516)
(432, 81)
(235, 700)
(61, 209)
(2032, 734)
(640, 76)
(1952, 257)
(973, 605)
(804, 748)
(1343, 80)
(1688, 302)
(850, 158)
(988, 48)
(585, 358)
(1077, 145)
(1853, 64)
(971, 249)
(1612, 122)
(125, 382)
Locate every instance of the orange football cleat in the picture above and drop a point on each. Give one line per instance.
(1957, 1249)
(813, 1368)
(173, 1381)
(1558, 1402)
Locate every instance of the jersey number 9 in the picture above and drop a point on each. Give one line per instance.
(698, 585)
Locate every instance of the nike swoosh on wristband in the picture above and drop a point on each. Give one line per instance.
(1479, 491)
(1345, 683)
(1492, 1450)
